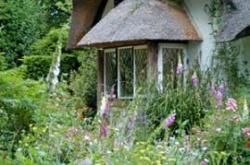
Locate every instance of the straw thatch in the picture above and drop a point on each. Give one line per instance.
(237, 22)
(134, 21)
(83, 16)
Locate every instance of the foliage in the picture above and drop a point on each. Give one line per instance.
(38, 66)
(18, 102)
(22, 23)
(83, 84)
(226, 143)
(48, 43)
(58, 11)
(189, 103)
(3, 64)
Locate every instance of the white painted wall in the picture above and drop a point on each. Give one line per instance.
(203, 51)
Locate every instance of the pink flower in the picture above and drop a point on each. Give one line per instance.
(218, 93)
(195, 80)
(231, 105)
(170, 120)
(104, 107)
(246, 132)
(203, 162)
(179, 69)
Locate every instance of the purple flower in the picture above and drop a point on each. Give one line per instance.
(104, 107)
(231, 104)
(86, 162)
(179, 69)
(219, 98)
(203, 162)
(222, 89)
(170, 120)
(104, 130)
(218, 93)
(195, 80)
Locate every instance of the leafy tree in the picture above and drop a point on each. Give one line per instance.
(21, 23)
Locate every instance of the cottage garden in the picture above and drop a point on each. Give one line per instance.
(49, 113)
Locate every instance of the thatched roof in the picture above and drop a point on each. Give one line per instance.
(83, 16)
(134, 21)
(237, 22)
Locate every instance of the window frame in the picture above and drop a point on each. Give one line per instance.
(105, 70)
(118, 83)
(161, 46)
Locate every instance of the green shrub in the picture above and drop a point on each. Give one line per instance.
(22, 23)
(3, 64)
(83, 83)
(19, 99)
(38, 66)
(189, 103)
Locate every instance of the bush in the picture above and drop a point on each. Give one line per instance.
(189, 103)
(83, 83)
(38, 66)
(18, 101)
(22, 23)
(3, 64)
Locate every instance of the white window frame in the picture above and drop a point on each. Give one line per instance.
(161, 46)
(116, 50)
(119, 73)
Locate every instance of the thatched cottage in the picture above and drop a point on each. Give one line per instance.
(140, 40)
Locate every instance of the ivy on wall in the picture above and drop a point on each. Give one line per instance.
(225, 60)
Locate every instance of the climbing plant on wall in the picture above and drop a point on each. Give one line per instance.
(225, 59)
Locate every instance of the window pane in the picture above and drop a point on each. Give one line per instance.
(141, 68)
(126, 72)
(111, 71)
(170, 62)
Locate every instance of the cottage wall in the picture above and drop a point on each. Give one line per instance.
(244, 56)
(200, 52)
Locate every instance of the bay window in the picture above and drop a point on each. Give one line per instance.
(125, 69)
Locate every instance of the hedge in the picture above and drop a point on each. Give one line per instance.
(38, 66)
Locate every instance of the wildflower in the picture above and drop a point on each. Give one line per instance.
(231, 104)
(245, 113)
(219, 99)
(246, 131)
(248, 143)
(203, 162)
(104, 130)
(195, 80)
(170, 120)
(236, 118)
(222, 89)
(104, 107)
(86, 162)
(180, 67)
(71, 132)
(218, 130)
(218, 93)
